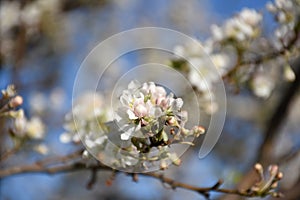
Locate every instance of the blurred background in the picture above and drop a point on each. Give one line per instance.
(42, 54)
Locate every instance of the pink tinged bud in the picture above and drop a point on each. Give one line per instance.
(163, 103)
(16, 101)
(199, 129)
(279, 175)
(274, 185)
(163, 165)
(172, 121)
(258, 167)
(159, 101)
(144, 122)
(273, 169)
(140, 110)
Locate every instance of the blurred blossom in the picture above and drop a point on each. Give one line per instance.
(20, 123)
(41, 103)
(289, 74)
(35, 128)
(241, 27)
(38, 102)
(57, 98)
(32, 128)
(237, 45)
(190, 50)
(262, 85)
(41, 149)
(9, 14)
(35, 17)
(31, 14)
(87, 109)
(88, 106)
(288, 16)
(9, 92)
(66, 137)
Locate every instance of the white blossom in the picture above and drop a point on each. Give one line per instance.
(66, 137)
(289, 74)
(143, 105)
(31, 14)
(250, 16)
(241, 27)
(42, 149)
(85, 119)
(20, 123)
(38, 102)
(35, 128)
(9, 15)
(262, 85)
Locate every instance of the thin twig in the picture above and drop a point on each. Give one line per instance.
(9, 153)
(46, 167)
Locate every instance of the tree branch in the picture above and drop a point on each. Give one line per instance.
(66, 164)
(278, 118)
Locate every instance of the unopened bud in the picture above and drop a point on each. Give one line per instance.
(177, 162)
(258, 167)
(198, 130)
(172, 121)
(175, 159)
(274, 185)
(163, 165)
(289, 74)
(276, 195)
(279, 176)
(16, 101)
(273, 169)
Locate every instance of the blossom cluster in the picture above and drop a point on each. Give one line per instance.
(267, 184)
(146, 122)
(21, 128)
(85, 120)
(241, 54)
(145, 106)
(287, 15)
(243, 26)
(32, 17)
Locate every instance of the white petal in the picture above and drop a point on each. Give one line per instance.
(125, 136)
(65, 138)
(131, 115)
(100, 140)
(89, 143)
(134, 85)
(177, 104)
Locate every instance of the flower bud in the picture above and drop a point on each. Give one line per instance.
(163, 165)
(172, 121)
(273, 169)
(16, 101)
(175, 159)
(140, 110)
(258, 167)
(279, 176)
(289, 74)
(274, 185)
(198, 130)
